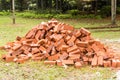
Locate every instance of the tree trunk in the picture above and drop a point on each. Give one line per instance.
(42, 4)
(113, 12)
(96, 5)
(13, 11)
(56, 5)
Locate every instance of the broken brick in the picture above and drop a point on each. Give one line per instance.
(100, 60)
(68, 62)
(94, 61)
(78, 65)
(50, 62)
(70, 49)
(85, 31)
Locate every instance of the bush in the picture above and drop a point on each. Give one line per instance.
(118, 10)
(105, 11)
(58, 16)
(73, 12)
(63, 16)
(5, 13)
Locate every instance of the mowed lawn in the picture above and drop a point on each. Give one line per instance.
(31, 70)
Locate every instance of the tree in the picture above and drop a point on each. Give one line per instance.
(113, 11)
(13, 11)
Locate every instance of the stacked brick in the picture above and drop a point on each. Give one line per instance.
(60, 44)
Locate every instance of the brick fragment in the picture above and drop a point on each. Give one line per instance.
(53, 51)
(9, 58)
(54, 57)
(19, 61)
(70, 49)
(118, 63)
(75, 52)
(38, 34)
(38, 58)
(114, 63)
(107, 63)
(68, 62)
(64, 55)
(17, 46)
(64, 47)
(77, 33)
(50, 62)
(94, 61)
(59, 63)
(43, 49)
(67, 27)
(85, 31)
(82, 44)
(85, 58)
(100, 60)
(78, 65)
(71, 41)
(35, 50)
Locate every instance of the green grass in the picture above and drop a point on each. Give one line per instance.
(37, 70)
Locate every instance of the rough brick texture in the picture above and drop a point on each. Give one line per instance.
(60, 44)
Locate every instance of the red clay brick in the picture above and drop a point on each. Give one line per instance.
(42, 41)
(67, 27)
(85, 58)
(67, 38)
(38, 34)
(64, 55)
(9, 58)
(53, 51)
(94, 61)
(35, 50)
(107, 63)
(59, 63)
(20, 60)
(78, 65)
(64, 47)
(100, 60)
(85, 31)
(71, 41)
(77, 33)
(118, 63)
(38, 58)
(81, 43)
(17, 46)
(54, 57)
(70, 49)
(114, 63)
(37, 54)
(75, 52)
(43, 49)
(74, 57)
(68, 62)
(50, 62)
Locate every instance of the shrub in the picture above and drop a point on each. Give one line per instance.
(73, 12)
(105, 11)
(5, 13)
(118, 10)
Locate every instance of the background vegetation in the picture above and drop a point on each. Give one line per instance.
(59, 8)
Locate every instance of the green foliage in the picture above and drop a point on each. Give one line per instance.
(73, 12)
(63, 16)
(105, 11)
(4, 13)
(118, 10)
(58, 16)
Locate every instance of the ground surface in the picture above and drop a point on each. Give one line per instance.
(37, 70)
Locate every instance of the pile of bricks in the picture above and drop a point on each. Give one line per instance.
(60, 44)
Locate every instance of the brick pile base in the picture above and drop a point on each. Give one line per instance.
(60, 44)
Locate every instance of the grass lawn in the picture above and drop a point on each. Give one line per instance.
(37, 70)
